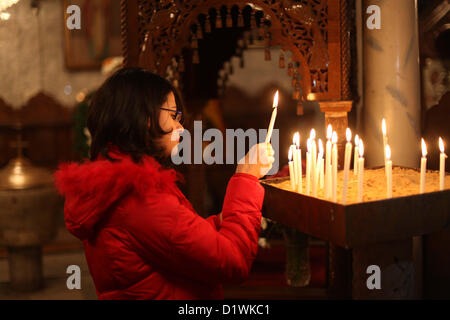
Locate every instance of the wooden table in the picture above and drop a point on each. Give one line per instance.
(385, 233)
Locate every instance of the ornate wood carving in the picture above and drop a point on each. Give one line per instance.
(46, 126)
(155, 32)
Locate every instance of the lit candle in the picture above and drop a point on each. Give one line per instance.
(328, 163)
(347, 159)
(385, 141)
(291, 170)
(321, 165)
(272, 119)
(388, 172)
(360, 170)
(423, 167)
(308, 167)
(317, 170)
(313, 161)
(298, 164)
(441, 164)
(334, 160)
(355, 161)
(294, 158)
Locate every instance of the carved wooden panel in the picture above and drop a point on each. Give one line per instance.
(47, 129)
(156, 32)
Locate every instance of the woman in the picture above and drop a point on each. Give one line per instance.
(141, 236)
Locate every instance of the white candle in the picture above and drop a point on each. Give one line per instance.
(355, 161)
(360, 170)
(298, 165)
(347, 158)
(384, 130)
(328, 163)
(292, 151)
(321, 165)
(272, 119)
(308, 167)
(291, 170)
(423, 167)
(317, 171)
(388, 172)
(441, 164)
(294, 146)
(334, 164)
(313, 162)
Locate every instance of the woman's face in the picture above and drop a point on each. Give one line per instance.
(168, 123)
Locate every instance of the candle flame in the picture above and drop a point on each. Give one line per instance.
(329, 131)
(296, 139)
(275, 100)
(312, 136)
(348, 134)
(388, 152)
(290, 154)
(334, 138)
(383, 126)
(424, 148)
(308, 145)
(320, 148)
(361, 148)
(441, 145)
(356, 140)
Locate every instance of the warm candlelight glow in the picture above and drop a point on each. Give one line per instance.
(334, 138)
(388, 153)
(348, 134)
(329, 131)
(296, 139)
(361, 148)
(312, 136)
(356, 140)
(383, 126)
(308, 145)
(320, 148)
(424, 148)
(441, 145)
(290, 154)
(275, 100)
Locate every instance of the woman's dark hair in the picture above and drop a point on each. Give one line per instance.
(119, 113)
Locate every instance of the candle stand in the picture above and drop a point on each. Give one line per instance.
(360, 235)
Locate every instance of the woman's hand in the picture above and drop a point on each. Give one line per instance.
(258, 161)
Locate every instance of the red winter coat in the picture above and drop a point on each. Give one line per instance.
(142, 238)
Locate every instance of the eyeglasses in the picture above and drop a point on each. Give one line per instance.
(178, 114)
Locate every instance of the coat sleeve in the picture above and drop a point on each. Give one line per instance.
(190, 245)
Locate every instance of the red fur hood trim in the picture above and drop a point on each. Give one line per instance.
(92, 187)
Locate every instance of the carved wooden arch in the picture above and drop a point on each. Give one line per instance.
(155, 32)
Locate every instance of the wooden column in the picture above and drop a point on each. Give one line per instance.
(336, 115)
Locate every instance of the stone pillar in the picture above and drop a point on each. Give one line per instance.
(392, 82)
(392, 91)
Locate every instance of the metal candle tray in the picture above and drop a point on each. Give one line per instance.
(358, 224)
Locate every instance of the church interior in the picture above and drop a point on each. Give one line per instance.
(344, 63)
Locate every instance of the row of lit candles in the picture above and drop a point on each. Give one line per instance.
(423, 162)
(322, 173)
